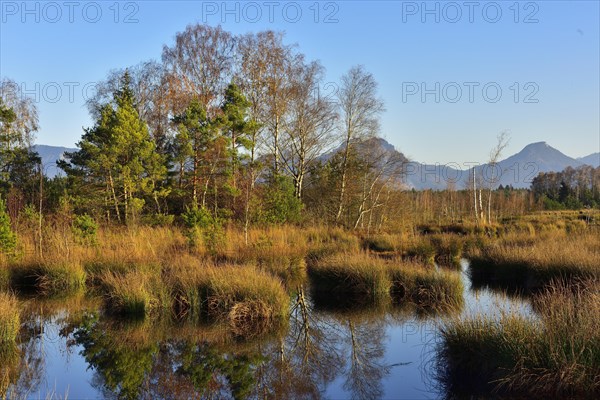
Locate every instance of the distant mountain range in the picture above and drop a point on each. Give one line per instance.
(592, 159)
(50, 155)
(517, 170)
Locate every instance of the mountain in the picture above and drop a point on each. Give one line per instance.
(384, 157)
(50, 155)
(421, 176)
(592, 159)
(519, 169)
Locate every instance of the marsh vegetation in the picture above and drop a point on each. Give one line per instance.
(297, 310)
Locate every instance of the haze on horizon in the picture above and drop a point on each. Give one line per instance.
(452, 75)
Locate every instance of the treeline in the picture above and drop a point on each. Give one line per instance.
(229, 129)
(571, 188)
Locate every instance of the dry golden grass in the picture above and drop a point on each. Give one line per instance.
(135, 294)
(10, 363)
(533, 262)
(10, 321)
(355, 275)
(555, 356)
(47, 277)
(376, 280)
(246, 297)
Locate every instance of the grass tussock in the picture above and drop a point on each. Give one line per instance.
(426, 287)
(373, 280)
(353, 275)
(250, 300)
(380, 243)
(10, 363)
(418, 249)
(291, 269)
(448, 249)
(135, 294)
(246, 298)
(10, 321)
(48, 278)
(324, 242)
(532, 264)
(555, 356)
(286, 263)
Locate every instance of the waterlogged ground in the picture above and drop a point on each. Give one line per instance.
(69, 350)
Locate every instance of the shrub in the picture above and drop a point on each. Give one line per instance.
(8, 239)
(85, 229)
(203, 228)
(155, 220)
(279, 202)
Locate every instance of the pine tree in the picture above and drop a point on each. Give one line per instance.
(237, 128)
(119, 157)
(196, 135)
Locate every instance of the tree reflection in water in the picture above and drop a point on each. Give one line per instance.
(367, 367)
(22, 368)
(156, 359)
(305, 360)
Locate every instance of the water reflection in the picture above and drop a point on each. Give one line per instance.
(357, 351)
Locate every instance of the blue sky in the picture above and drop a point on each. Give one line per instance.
(452, 74)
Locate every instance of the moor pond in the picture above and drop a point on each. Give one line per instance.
(68, 348)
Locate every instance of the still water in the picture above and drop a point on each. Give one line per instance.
(68, 349)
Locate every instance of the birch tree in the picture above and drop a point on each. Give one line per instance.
(309, 132)
(199, 65)
(492, 178)
(360, 108)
